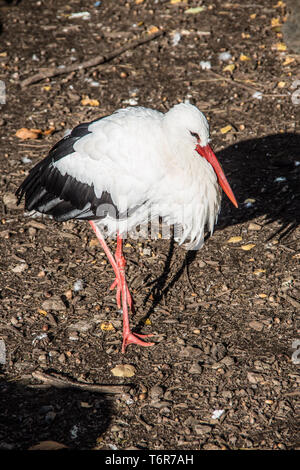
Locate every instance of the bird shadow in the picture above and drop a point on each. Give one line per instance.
(34, 414)
(264, 174)
(4, 6)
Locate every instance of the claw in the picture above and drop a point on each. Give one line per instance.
(133, 338)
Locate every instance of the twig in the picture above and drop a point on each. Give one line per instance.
(99, 59)
(187, 274)
(64, 383)
(291, 300)
(233, 82)
(292, 394)
(148, 427)
(13, 329)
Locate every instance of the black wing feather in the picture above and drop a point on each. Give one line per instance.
(47, 191)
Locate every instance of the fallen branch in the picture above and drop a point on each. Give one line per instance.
(100, 59)
(232, 81)
(65, 383)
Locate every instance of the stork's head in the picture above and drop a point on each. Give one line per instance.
(186, 123)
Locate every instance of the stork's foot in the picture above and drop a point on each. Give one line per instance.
(117, 284)
(133, 338)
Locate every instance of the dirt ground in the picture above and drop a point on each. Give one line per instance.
(223, 373)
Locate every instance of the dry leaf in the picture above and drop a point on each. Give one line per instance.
(254, 226)
(152, 30)
(244, 57)
(194, 11)
(25, 133)
(229, 68)
(48, 445)
(226, 129)
(248, 247)
(281, 84)
(275, 22)
(42, 312)
(49, 131)
(280, 46)
(94, 242)
(137, 2)
(123, 370)
(173, 2)
(262, 296)
(259, 271)
(253, 16)
(107, 326)
(288, 60)
(89, 102)
(234, 239)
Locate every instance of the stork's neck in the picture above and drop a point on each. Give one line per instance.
(180, 153)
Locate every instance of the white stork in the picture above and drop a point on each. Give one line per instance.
(126, 169)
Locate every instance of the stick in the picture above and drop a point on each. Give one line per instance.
(99, 59)
(233, 82)
(64, 383)
(13, 329)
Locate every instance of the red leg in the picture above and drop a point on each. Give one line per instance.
(119, 269)
(120, 262)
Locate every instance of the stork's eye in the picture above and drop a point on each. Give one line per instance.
(194, 134)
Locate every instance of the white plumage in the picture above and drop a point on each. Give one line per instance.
(128, 169)
(146, 160)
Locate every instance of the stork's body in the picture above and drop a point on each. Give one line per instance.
(128, 169)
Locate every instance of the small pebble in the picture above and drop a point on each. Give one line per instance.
(224, 56)
(227, 361)
(253, 226)
(73, 336)
(205, 64)
(217, 414)
(54, 303)
(62, 358)
(202, 429)
(42, 358)
(2, 352)
(256, 325)
(156, 392)
(195, 369)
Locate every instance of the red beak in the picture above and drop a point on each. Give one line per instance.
(209, 155)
